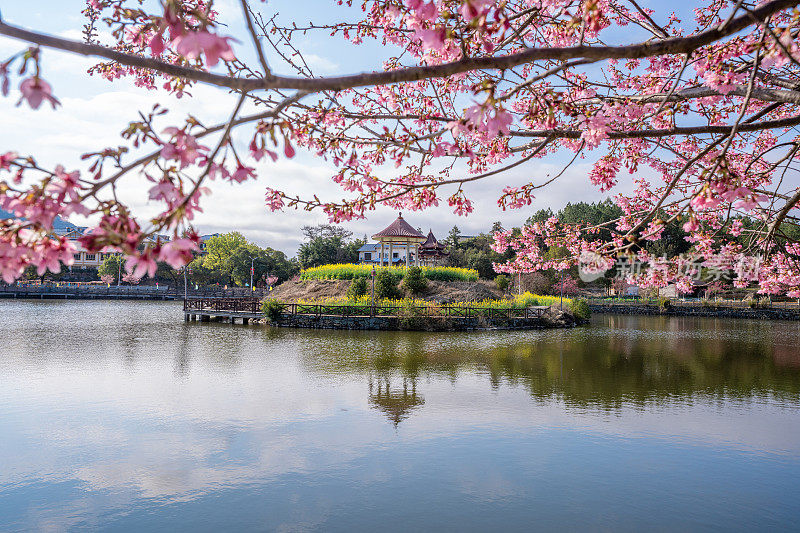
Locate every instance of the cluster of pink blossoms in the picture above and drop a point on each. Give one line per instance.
(189, 42)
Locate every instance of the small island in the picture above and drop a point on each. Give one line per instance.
(368, 297)
(398, 285)
(416, 299)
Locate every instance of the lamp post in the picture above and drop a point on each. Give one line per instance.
(561, 283)
(119, 269)
(185, 283)
(252, 271)
(372, 294)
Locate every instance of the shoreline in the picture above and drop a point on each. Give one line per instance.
(697, 311)
(628, 309)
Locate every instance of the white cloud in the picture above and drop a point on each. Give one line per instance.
(320, 64)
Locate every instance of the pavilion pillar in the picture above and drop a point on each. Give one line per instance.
(381, 255)
(408, 254)
(391, 251)
(417, 250)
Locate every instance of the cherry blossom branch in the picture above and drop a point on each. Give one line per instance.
(674, 45)
(256, 42)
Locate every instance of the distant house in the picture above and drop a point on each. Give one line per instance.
(85, 259)
(205, 238)
(82, 258)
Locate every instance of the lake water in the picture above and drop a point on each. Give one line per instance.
(120, 416)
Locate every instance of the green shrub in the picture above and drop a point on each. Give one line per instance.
(386, 285)
(664, 303)
(413, 281)
(502, 281)
(272, 309)
(580, 309)
(358, 287)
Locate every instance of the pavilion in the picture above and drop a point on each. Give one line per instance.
(432, 251)
(399, 233)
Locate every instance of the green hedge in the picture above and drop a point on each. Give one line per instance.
(351, 271)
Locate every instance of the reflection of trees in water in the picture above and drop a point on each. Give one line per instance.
(619, 360)
(396, 404)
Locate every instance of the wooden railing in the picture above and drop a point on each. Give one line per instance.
(224, 305)
(129, 291)
(253, 305)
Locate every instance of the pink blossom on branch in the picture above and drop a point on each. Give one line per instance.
(35, 91)
(192, 44)
(182, 147)
(178, 252)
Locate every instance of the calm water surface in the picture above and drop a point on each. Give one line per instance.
(119, 416)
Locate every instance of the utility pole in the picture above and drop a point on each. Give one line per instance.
(252, 271)
(561, 283)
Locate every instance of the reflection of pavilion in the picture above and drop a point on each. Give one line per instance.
(397, 405)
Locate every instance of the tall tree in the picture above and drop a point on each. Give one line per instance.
(327, 244)
(112, 265)
(264, 262)
(219, 250)
(452, 236)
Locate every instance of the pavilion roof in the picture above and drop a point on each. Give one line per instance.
(399, 228)
(431, 243)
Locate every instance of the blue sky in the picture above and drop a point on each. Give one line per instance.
(94, 111)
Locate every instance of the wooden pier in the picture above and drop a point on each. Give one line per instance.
(222, 309)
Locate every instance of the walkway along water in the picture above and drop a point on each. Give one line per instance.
(125, 292)
(709, 308)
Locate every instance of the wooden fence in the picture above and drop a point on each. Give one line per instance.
(253, 305)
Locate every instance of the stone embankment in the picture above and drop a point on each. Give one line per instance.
(551, 318)
(698, 310)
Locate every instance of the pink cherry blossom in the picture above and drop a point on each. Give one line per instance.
(156, 44)
(193, 44)
(183, 147)
(35, 91)
(6, 159)
(432, 39)
(243, 173)
(178, 252)
(140, 264)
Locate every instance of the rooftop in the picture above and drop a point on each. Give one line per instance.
(401, 229)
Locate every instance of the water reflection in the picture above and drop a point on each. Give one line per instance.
(119, 415)
(397, 405)
(617, 361)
